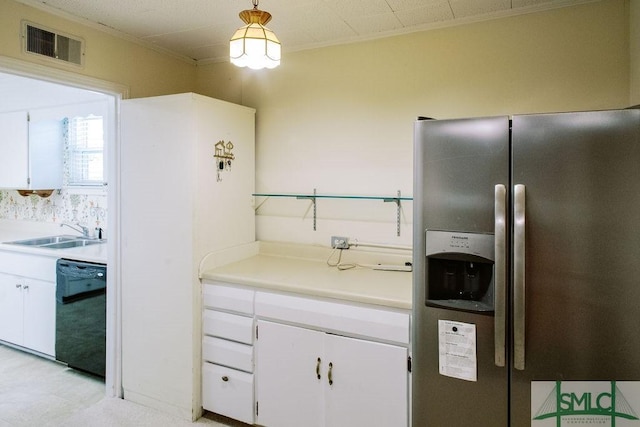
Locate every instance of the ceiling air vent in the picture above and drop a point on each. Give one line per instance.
(53, 44)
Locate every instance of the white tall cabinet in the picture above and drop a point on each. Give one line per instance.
(175, 209)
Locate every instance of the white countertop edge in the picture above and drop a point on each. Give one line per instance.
(314, 292)
(93, 253)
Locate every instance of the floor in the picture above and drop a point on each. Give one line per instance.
(43, 393)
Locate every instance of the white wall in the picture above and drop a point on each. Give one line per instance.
(144, 71)
(340, 119)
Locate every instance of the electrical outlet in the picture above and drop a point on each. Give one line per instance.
(338, 242)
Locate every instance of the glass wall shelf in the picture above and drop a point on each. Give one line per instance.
(313, 197)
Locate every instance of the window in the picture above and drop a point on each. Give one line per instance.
(85, 145)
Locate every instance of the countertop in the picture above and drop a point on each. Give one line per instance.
(19, 230)
(303, 269)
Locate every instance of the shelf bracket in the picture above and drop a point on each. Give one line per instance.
(313, 202)
(396, 200)
(313, 197)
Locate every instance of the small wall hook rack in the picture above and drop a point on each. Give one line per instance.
(224, 156)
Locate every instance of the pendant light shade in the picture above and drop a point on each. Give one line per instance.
(254, 45)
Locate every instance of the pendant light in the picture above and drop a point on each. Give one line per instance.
(254, 45)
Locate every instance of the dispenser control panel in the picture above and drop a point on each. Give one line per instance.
(442, 242)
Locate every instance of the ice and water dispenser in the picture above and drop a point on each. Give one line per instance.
(460, 270)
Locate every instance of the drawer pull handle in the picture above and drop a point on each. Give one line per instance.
(225, 378)
(318, 368)
(330, 374)
(18, 285)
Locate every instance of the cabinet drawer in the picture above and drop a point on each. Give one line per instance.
(227, 353)
(228, 298)
(369, 322)
(227, 392)
(229, 326)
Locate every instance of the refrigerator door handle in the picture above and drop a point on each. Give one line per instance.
(500, 279)
(519, 278)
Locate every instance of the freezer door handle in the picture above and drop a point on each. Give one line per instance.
(500, 280)
(519, 277)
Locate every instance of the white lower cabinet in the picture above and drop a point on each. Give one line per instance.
(284, 360)
(312, 378)
(28, 313)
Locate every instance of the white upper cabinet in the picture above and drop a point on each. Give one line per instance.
(30, 152)
(46, 146)
(14, 149)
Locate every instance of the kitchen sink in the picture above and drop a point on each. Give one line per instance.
(57, 242)
(43, 240)
(72, 243)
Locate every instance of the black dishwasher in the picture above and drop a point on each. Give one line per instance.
(81, 315)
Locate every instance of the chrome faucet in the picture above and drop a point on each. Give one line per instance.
(79, 228)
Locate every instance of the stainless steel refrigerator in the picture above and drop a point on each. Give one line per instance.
(527, 271)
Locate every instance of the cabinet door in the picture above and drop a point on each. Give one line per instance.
(39, 316)
(288, 363)
(46, 145)
(14, 150)
(11, 308)
(369, 383)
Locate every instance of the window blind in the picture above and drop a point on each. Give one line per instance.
(86, 144)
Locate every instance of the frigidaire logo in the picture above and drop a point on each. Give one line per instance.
(589, 405)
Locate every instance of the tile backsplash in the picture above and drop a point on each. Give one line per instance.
(89, 210)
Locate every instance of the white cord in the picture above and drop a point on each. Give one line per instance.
(380, 245)
(338, 264)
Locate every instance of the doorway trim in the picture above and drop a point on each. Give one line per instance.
(113, 376)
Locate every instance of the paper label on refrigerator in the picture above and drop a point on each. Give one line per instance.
(585, 403)
(457, 350)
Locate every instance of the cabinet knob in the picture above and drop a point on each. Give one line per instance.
(225, 378)
(18, 285)
(330, 373)
(25, 287)
(318, 368)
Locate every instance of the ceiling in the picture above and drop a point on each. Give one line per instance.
(200, 29)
